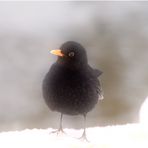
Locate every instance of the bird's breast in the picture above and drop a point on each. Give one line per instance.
(71, 91)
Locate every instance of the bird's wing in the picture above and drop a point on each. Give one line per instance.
(101, 97)
(100, 92)
(97, 72)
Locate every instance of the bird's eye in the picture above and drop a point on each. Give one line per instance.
(71, 54)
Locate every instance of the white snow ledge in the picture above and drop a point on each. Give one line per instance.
(120, 136)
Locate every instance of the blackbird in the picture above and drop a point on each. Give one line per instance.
(71, 86)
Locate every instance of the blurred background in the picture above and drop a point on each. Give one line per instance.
(115, 35)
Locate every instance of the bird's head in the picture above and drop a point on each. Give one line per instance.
(71, 53)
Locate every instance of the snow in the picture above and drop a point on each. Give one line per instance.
(130, 135)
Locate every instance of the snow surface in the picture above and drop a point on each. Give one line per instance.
(120, 136)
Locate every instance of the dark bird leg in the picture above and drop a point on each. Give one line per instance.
(60, 130)
(83, 137)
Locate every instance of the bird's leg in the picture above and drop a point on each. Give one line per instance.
(60, 130)
(83, 137)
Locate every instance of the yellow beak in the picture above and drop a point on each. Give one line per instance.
(57, 52)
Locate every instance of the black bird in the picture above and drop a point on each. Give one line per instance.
(71, 86)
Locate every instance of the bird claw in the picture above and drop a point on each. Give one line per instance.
(58, 132)
(83, 138)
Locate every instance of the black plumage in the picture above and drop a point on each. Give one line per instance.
(71, 86)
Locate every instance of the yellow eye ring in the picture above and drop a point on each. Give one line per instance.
(71, 54)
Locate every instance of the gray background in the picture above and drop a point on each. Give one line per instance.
(115, 35)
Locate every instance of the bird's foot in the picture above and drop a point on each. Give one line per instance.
(83, 137)
(58, 132)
